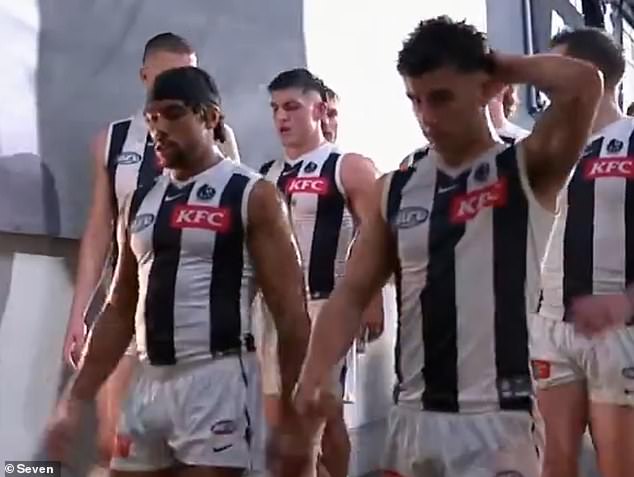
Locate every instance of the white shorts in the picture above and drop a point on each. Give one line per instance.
(559, 356)
(434, 444)
(202, 414)
(271, 380)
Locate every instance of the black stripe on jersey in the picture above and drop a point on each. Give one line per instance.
(330, 208)
(149, 169)
(510, 233)
(289, 172)
(159, 302)
(226, 278)
(118, 135)
(266, 167)
(579, 232)
(629, 220)
(399, 179)
(438, 300)
(508, 139)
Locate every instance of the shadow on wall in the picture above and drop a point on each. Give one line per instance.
(87, 76)
(29, 202)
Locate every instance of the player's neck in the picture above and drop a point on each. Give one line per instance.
(607, 113)
(201, 162)
(472, 149)
(295, 152)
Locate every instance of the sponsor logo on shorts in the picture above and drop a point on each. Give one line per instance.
(122, 445)
(609, 167)
(466, 207)
(217, 219)
(141, 222)
(628, 373)
(222, 448)
(308, 185)
(128, 158)
(224, 427)
(541, 369)
(409, 217)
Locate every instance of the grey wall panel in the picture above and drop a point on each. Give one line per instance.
(87, 76)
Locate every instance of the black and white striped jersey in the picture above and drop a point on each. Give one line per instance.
(592, 246)
(319, 211)
(196, 282)
(469, 244)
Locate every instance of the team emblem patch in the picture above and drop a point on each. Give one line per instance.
(481, 173)
(310, 167)
(409, 217)
(206, 192)
(128, 158)
(615, 146)
(141, 222)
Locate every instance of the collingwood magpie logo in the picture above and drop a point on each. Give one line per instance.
(481, 174)
(615, 146)
(310, 167)
(206, 192)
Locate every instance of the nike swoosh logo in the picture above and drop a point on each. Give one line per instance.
(220, 449)
(170, 198)
(445, 189)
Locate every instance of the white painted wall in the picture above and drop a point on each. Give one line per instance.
(32, 326)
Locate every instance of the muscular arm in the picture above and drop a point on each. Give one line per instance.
(114, 328)
(369, 267)
(560, 134)
(97, 236)
(277, 262)
(358, 176)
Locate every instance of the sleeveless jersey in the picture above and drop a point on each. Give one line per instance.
(196, 282)
(469, 248)
(592, 246)
(320, 215)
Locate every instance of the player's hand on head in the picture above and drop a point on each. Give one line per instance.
(596, 314)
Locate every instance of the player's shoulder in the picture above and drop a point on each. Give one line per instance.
(266, 167)
(413, 159)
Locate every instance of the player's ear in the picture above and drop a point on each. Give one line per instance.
(211, 116)
(321, 108)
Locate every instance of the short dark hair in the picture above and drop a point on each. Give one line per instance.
(440, 42)
(329, 94)
(169, 42)
(299, 78)
(595, 46)
(194, 87)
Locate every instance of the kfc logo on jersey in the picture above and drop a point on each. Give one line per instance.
(467, 206)
(201, 217)
(609, 167)
(308, 185)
